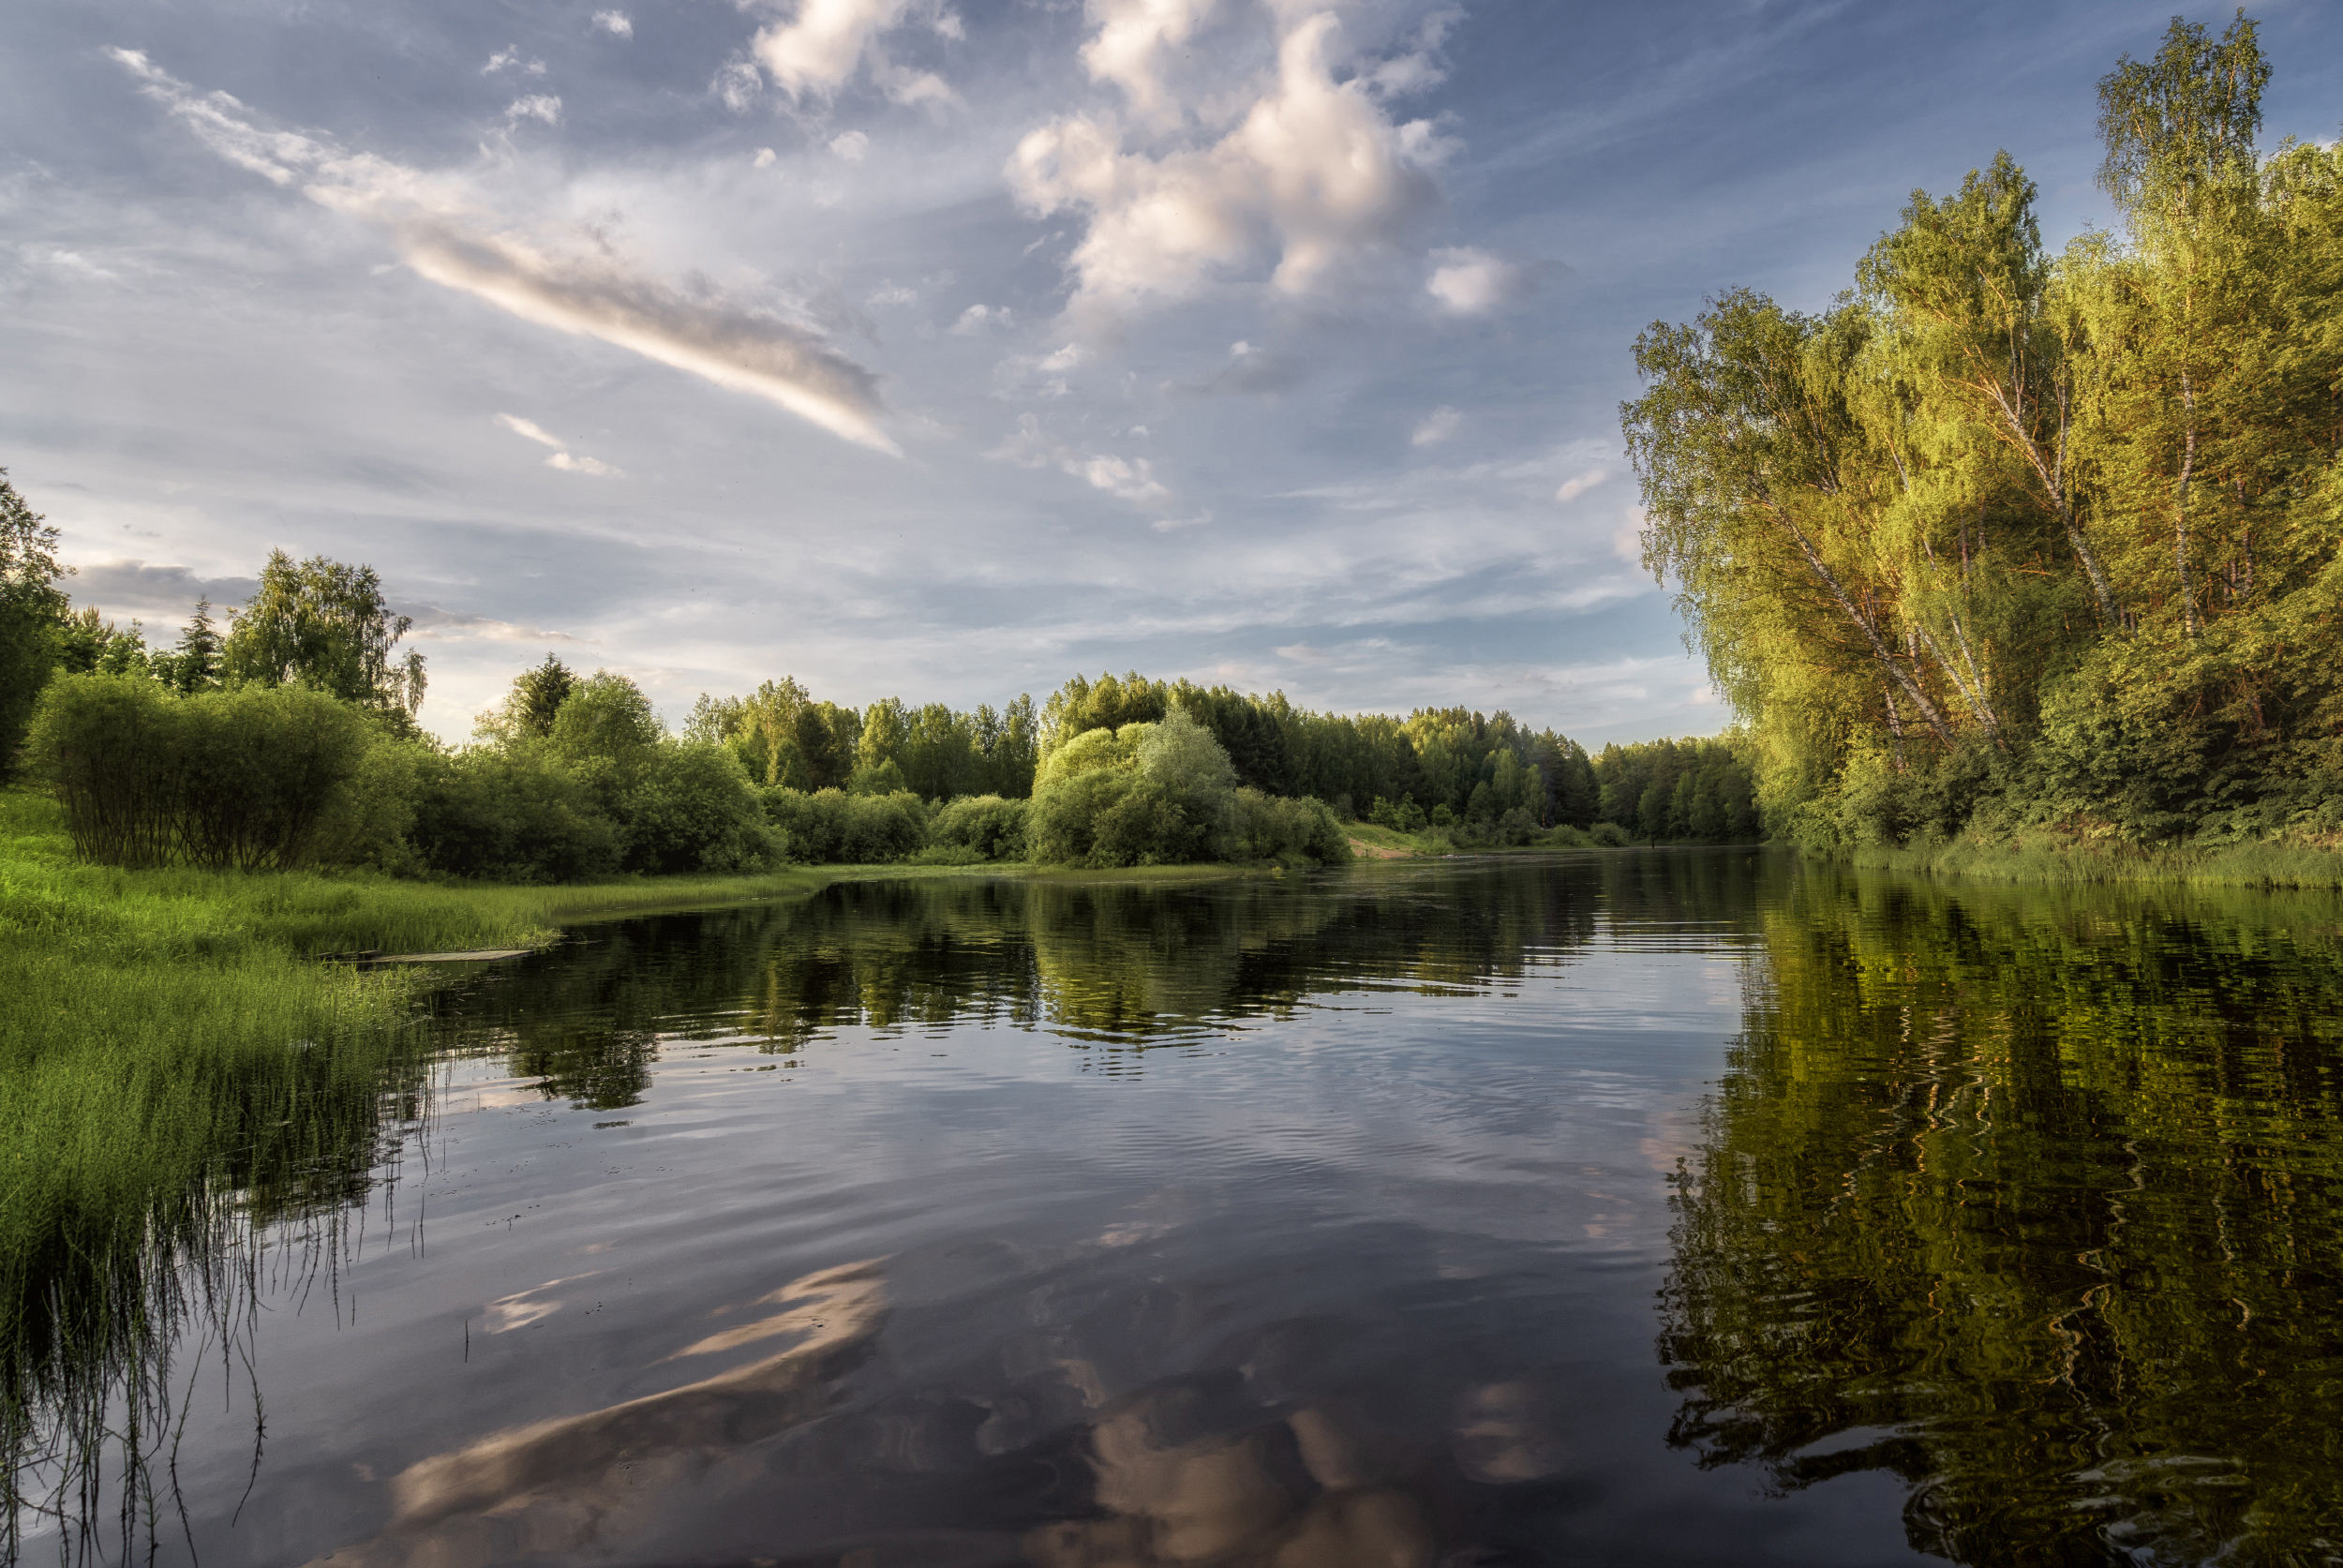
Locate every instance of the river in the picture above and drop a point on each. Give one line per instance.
(1643, 1207)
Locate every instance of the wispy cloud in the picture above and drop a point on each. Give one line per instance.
(1127, 478)
(1578, 484)
(511, 58)
(1437, 426)
(562, 458)
(617, 23)
(591, 291)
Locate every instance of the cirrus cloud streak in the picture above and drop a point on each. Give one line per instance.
(444, 233)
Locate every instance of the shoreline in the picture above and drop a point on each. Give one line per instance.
(2056, 860)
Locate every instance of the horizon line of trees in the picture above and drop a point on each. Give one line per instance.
(573, 775)
(2006, 538)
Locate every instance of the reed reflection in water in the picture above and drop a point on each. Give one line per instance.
(1323, 1222)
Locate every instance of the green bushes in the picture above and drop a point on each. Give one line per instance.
(990, 828)
(832, 826)
(510, 817)
(1162, 793)
(242, 779)
(1290, 832)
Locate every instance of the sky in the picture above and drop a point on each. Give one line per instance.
(943, 348)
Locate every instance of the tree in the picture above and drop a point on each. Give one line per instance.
(324, 624)
(2046, 538)
(604, 718)
(193, 665)
(31, 606)
(529, 707)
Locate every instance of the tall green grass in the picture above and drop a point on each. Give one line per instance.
(2055, 858)
(178, 1070)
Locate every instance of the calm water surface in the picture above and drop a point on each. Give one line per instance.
(1653, 1208)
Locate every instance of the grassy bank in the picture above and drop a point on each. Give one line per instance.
(176, 1064)
(2051, 858)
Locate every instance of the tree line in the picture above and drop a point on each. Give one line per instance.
(288, 737)
(2008, 539)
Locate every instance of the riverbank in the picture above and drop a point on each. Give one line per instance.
(174, 1056)
(2055, 858)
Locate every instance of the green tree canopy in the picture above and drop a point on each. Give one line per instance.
(324, 624)
(31, 604)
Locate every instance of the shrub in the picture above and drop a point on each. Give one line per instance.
(691, 808)
(1291, 833)
(510, 817)
(1610, 835)
(831, 827)
(1147, 793)
(106, 746)
(245, 779)
(987, 825)
(261, 770)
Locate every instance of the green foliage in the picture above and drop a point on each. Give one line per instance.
(1288, 832)
(691, 809)
(510, 817)
(30, 608)
(245, 778)
(604, 718)
(989, 826)
(2007, 540)
(885, 777)
(831, 827)
(1676, 790)
(1165, 793)
(194, 664)
(529, 709)
(324, 624)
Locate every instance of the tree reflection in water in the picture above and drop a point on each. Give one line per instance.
(1100, 963)
(2035, 1199)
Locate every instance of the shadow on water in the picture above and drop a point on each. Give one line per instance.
(2033, 1199)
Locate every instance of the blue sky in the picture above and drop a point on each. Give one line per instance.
(944, 348)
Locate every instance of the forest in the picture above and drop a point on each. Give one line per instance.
(288, 738)
(2009, 541)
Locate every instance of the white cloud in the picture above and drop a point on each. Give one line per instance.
(853, 145)
(582, 288)
(818, 49)
(1315, 171)
(1437, 427)
(978, 318)
(617, 23)
(1473, 282)
(1167, 524)
(1578, 486)
(1127, 478)
(537, 106)
(531, 429)
(509, 58)
(735, 83)
(1124, 51)
(765, 158)
(562, 458)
